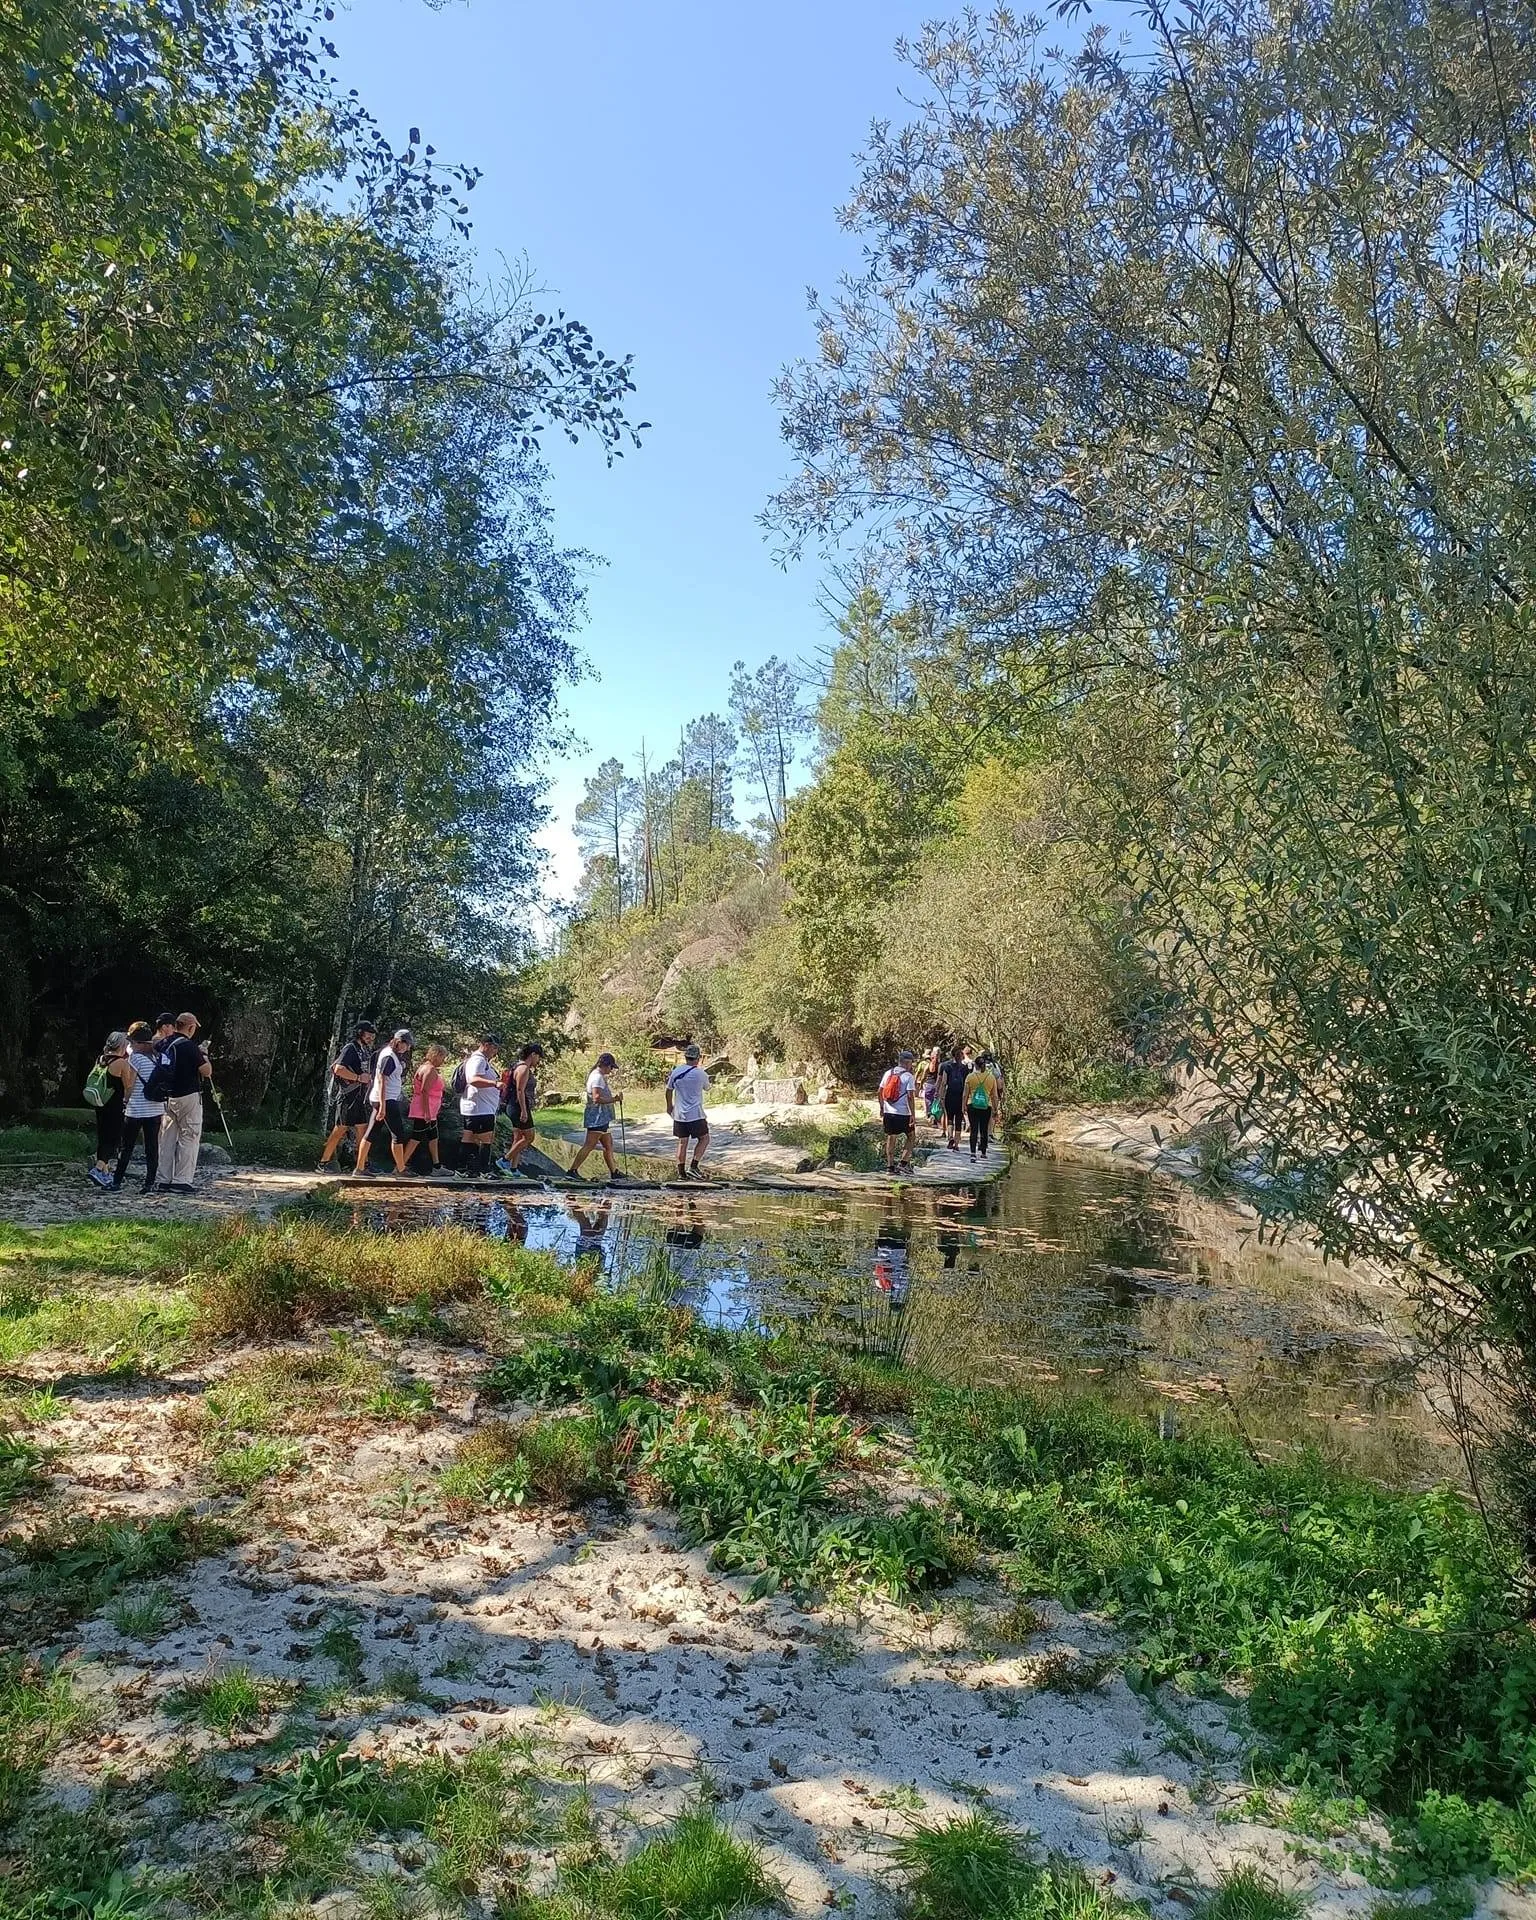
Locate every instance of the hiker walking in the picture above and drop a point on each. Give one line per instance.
(981, 1101)
(898, 1092)
(478, 1086)
(519, 1096)
(386, 1096)
(953, 1073)
(181, 1132)
(686, 1088)
(145, 1078)
(933, 1106)
(597, 1117)
(427, 1101)
(104, 1093)
(352, 1072)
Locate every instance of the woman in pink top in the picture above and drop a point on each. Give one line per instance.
(427, 1099)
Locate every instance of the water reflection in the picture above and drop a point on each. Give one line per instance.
(1059, 1273)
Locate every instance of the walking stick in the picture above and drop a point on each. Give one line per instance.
(623, 1137)
(218, 1101)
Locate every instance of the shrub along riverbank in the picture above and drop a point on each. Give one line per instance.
(1377, 1638)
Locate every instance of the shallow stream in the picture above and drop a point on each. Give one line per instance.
(1064, 1274)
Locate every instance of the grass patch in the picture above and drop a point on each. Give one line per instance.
(1246, 1892)
(138, 1328)
(37, 1708)
(696, 1870)
(64, 1571)
(243, 1469)
(20, 1459)
(556, 1461)
(288, 1392)
(262, 1283)
(976, 1868)
(143, 1616)
(233, 1701)
(1377, 1631)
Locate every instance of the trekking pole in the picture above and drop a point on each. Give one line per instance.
(623, 1137)
(218, 1101)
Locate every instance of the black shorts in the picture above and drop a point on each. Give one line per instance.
(393, 1119)
(690, 1129)
(521, 1118)
(897, 1122)
(423, 1129)
(479, 1126)
(352, 1109)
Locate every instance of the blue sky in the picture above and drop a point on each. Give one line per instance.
(672, 171)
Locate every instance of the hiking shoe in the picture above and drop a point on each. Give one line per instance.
(99, 1177)
(326, 1166)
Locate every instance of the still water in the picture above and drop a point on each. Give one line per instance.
(1062, 1275)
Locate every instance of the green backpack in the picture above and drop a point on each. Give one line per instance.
(98, 1085)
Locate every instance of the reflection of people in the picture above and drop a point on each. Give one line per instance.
(951, 1240)
(591, 1230)
(892, 1269)
(683, 1242)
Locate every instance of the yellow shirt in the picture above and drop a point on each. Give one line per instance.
(988, 1084)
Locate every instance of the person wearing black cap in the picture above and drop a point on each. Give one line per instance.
(386, 1097)
(686, 1088)
(352, 1072)
(181, 1131)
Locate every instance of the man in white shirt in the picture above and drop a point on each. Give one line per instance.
(686, 1088)
(477, 1106)
(898, 1095)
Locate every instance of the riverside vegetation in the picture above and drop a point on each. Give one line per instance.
(1371, 1640)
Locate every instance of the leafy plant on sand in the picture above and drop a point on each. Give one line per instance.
(1378, 1632)
(71, 1567)
(562, 1461)
(976, 1868)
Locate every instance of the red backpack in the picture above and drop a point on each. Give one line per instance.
(891, 1087)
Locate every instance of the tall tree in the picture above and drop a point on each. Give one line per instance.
(1208, 373)
(768, 709)
(602, 818)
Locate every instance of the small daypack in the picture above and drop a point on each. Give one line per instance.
(979, 1100)
(890, 1086)
(159, 1081)
(98, 1085)
(458, 1082)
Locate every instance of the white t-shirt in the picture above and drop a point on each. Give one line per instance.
(480, 1101)
(599, 1093)
(387, 1077)
(902, 1104)
(688, 1085)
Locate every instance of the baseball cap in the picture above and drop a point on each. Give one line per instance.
(905, 1054)
(690, 1053)
(165, 1019)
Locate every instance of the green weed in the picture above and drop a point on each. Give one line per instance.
(37, 1708)
(242, 1469)
(696, 1870)
(145, 1615)
(341, 1646)
(975, 1868)
(19, 1462)
(290, 1391)
(138, 1329)
(562, 1462)
(400, 1400)
(1246, 1892)
(73, 1567)
(229, 1702)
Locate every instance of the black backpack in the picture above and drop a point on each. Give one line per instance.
(161, 1078)
(458, 1082)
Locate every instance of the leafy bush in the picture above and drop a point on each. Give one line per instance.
(1377, 1630)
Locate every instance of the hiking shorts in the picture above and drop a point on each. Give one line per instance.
(690, 1129)
(597, 1118)
(352, 1109)
(423, 1129)
(896, 1122)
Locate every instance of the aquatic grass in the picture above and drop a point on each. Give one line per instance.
(262, 1282)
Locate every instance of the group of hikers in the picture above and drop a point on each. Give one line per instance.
(147, 1084)
(389, 1095)
(149, 1080)
(958, 1087)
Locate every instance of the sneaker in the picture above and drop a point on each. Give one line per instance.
(114, 1186)
(98, 1176)
(326, 1166)
(504, 1165)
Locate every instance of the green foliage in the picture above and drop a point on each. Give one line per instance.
(1246, 1892)
(144, 1615)
(1378, 1631)
(136, 1330)
(232, 1701)
(71, 1567)
(695, 1870)
(243, 1469)
(976, 1868)
(563, 1461)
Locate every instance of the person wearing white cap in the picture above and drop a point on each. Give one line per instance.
(686, 1088)
(387, 1098)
